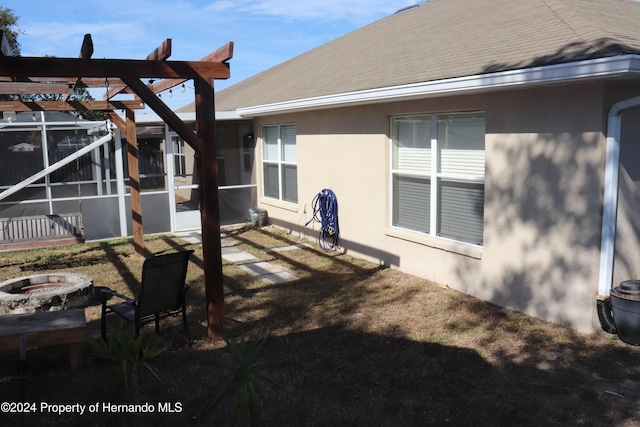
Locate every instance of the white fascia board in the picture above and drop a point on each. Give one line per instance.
(228, 115)
(188, 117)
(589, 69)
(153, 118)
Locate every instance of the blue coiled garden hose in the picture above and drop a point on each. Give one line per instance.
(325, 211)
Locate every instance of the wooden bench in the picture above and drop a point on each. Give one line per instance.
(42, 329)
(41, 230)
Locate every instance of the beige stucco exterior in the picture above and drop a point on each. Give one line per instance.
(545, 152)
(627, 261)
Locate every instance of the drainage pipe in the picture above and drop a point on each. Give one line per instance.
(610, 210)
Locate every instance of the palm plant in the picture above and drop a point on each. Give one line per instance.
(129, 353)
(243, 380)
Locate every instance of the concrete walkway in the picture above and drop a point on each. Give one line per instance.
(269, 272)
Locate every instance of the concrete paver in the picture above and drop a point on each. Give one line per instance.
(269, 272)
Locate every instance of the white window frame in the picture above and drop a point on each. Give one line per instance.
(180, 158)
(281, 162)
(434, 176)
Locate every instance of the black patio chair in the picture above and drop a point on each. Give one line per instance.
(161, 294)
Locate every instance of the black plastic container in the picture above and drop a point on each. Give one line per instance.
(625, 303)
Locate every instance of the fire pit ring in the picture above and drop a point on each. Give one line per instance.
(45, 292)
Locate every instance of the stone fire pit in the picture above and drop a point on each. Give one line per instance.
(45, 292)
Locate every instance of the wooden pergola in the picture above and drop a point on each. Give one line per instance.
(22, 76)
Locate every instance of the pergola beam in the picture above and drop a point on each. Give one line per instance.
(165, 113)
(74, 105)
(52, 68)
(222, 54)
(86, 82)
(120, 123)
(31, 88)
(161, 53)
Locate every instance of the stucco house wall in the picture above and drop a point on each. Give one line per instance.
(627, 259)
(543, 188)
(546, 74)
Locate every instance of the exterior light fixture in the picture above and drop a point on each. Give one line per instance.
(9, 116)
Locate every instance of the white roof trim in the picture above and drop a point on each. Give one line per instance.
(228, 115)
(153, 118)
(589, 69)
(188, 117)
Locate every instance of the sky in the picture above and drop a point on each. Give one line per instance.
(265, 32)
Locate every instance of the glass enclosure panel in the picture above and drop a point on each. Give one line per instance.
(20, 156)
(32, 192)
(76, 190)
(151, 167)
(179, 163)
(100, 216)
(82, 174)
(23, 209)
(235, 204)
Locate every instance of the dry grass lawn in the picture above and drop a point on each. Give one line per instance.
(364, 346)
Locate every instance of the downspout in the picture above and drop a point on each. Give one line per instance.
(610, 211)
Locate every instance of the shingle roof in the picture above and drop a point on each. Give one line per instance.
(445, 39)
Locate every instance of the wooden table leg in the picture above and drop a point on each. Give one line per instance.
(75, 353)
(42, 329)
(23, 354)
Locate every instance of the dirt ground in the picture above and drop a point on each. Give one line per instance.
(358, 344)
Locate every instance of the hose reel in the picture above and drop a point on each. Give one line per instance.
(325, 212)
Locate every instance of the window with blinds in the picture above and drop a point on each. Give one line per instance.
(279, 162)
(438, 175)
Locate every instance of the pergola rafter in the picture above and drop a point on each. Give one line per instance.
(23, 76)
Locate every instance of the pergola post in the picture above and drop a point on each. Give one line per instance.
(210, 207)
(134, 184)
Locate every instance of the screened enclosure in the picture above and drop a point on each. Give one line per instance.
(55, 163)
